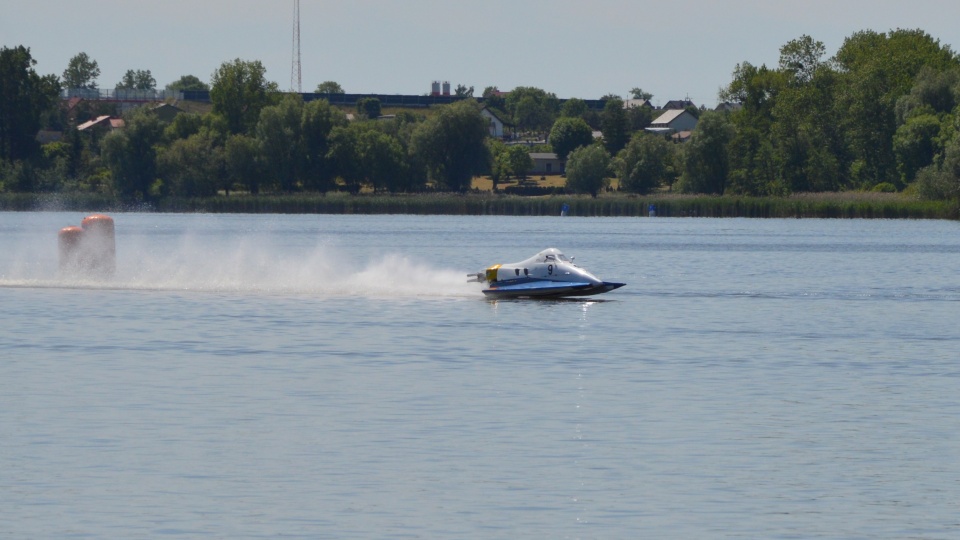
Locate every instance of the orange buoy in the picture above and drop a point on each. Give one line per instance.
(70, 241)
(99, 222)
(99, 241)
(90, 249)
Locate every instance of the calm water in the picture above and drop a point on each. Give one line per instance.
(334, 377)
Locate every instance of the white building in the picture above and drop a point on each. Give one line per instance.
(673, 121)
(496, 124)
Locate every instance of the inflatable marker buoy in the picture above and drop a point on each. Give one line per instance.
(69, 240)
(91, 249)
(100, 243)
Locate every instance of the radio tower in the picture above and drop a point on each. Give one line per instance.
(295, 79)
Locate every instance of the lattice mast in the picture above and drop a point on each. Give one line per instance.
(295, 75)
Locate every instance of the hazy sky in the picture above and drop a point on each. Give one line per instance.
(573, 48)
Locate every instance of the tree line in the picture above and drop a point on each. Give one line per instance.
(258, 139)
(882, 114)
(255, 139)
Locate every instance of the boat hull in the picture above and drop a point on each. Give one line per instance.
(547, 289)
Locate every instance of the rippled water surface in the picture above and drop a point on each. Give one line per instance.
(335, 377)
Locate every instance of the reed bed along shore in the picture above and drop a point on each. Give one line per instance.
(808, 205)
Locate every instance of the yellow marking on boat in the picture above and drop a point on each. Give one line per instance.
(492, 272)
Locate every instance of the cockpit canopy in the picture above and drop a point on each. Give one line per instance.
(551, 255)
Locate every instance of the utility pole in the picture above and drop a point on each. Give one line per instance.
(295, 78)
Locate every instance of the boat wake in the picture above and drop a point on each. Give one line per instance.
(251, 269)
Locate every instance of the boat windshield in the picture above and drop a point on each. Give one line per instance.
(556, 257)
(552, 255)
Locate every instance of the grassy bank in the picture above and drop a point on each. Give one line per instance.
(821, 205)
(57, 202)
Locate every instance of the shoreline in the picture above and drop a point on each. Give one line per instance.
(846, 205)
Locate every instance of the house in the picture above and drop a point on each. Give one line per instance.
(496, 124)
(631, 103)
(673, 121)
(681, 136)
(678, 104)
(101, 124)
(166, 111)
(547, 163)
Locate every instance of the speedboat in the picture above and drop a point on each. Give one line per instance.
(547, 274)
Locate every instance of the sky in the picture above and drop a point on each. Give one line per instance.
(573, 48)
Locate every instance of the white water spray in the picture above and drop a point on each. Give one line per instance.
(252, 264)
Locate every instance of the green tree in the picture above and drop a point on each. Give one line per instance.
(569, 134)
(329, 87)
(877, 69)
(344, 153)
(24, 96)
(810, 145)
(382, 161)
(82, 72)
(587, 169)
(53, 174)
(926, 119)
(188, 83)
(532, 108)
(637, 93)
(76, 152)
(517, 161)
(17, 176)
(787, 135)
(645, 164)
(239, 92)
(573, 108)
(528, 114)
(403, 127)
(615, 125)
(915, 144)
(801, 58)
(497, 170)
(369, 107)
(318, 121)
(140, 79)
(492, 98)
(639, 118)
(706, 162)
(753, 168)
(756, 88)
(934, 92)
(243, 163)
(183, 126)
(192, 167)
(131, 155)
(463, 91)
(451, 144)
(942, 181)
(281, 142)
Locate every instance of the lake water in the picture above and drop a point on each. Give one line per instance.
(262, 376)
